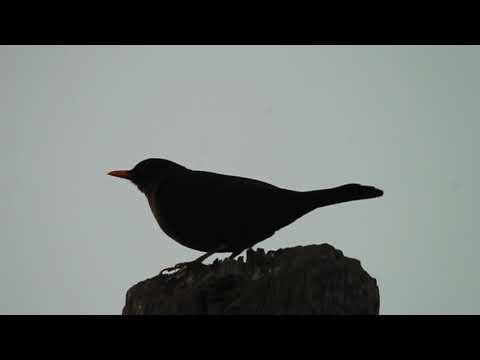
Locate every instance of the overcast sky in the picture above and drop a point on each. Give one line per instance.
(402, 118)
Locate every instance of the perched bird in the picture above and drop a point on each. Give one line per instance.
(216, 213)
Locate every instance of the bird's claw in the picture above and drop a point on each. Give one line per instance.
(178, 267)
(181, 267)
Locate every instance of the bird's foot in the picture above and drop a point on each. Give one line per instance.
(178, 267)
(184, 266)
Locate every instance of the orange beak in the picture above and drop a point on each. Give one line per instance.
(124, 174)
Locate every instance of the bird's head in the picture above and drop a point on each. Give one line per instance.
(148, 173)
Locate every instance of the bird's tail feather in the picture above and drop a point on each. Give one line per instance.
(344, 193)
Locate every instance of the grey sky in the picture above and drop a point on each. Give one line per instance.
(402, 118)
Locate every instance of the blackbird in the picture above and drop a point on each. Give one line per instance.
(217, 213)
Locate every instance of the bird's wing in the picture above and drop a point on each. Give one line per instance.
(234, 199)
(225, 209)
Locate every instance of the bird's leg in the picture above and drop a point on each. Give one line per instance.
(184, 265)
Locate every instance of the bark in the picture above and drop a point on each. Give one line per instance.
(313, 279)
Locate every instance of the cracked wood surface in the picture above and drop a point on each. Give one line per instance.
(313, 279)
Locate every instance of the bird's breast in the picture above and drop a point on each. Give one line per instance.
(156, 208)
(161, 210)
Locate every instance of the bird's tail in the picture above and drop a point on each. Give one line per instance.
(340, 194)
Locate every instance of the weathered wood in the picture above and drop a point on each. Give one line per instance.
(314, 279)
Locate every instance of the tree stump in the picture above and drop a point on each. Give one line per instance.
(309, 280)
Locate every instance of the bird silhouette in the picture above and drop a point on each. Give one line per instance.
(217, 213)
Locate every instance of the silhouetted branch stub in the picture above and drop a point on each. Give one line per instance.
(313, 279)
